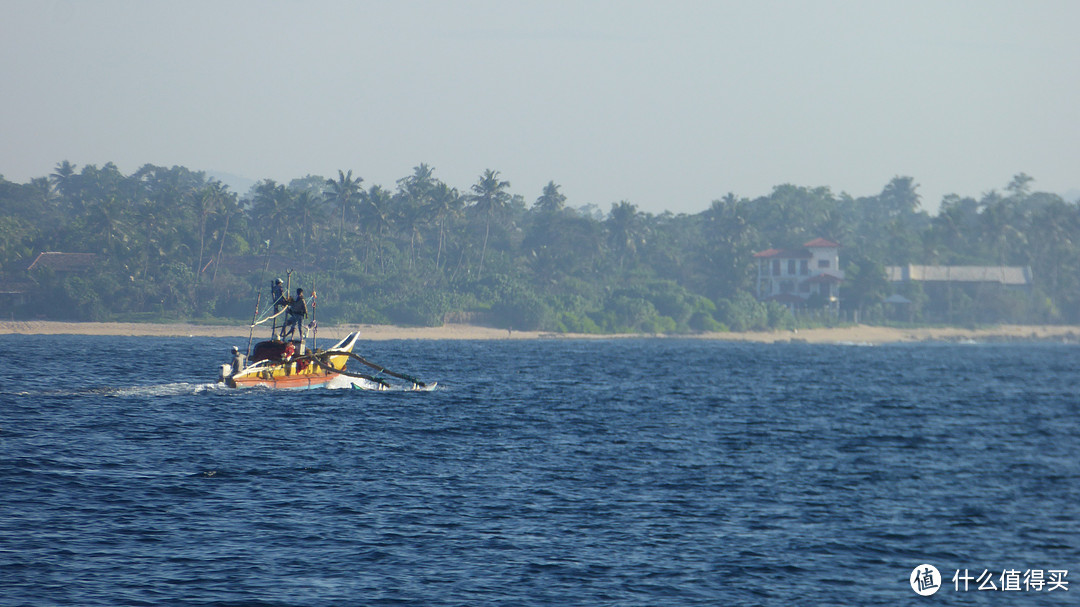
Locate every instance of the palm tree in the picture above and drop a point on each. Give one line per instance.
(375, 217)
(410, 218)
(229, 207)
(490, 198)
(899, 197)
(728, 238)
(305, 207)
(623, 229)
(147, 216)
(163, 202)
(107, 220)
(444, 203)
(417, 185)
(343, 191)
(42, 201)
(1020, 186)
(551, 200)
(272, 203)
(562, 244)
(66, 181)
(413, 195)
(208, 201)
(1055, 251)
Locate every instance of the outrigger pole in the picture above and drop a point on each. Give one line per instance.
(322, 362)
(382, 369)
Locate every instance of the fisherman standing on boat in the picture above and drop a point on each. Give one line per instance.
(296, 314)
(277, 295)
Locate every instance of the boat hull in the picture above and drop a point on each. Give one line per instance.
(277, 378)
(299, 374)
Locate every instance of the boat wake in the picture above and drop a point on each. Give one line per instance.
(177, 389)
(188, 388)
(174, 389)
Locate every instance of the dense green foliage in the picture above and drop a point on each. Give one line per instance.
(173, 244)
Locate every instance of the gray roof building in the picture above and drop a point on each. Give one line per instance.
(1015, 276)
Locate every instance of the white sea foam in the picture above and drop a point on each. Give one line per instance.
(174, 389)
(342, 382)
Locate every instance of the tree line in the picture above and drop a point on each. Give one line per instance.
(175, 244)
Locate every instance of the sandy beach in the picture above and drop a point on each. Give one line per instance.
(859, 334)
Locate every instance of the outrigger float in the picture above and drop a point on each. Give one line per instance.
(289, 364)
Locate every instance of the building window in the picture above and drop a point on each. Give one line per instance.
(804, 287)
(791, 266)
(804, 267)
(787, 286)
(776, 267)
(823, 263)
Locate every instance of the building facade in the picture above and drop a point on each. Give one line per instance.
(795, 276)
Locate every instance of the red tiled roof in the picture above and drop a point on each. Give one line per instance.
(784, 254)
(817, 243)
(63, 262)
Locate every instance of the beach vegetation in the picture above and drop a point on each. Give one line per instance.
(174, 244)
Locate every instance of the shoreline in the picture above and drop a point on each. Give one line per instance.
(858, 334)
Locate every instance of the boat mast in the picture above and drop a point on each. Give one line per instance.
(254, 319)
(288, 290)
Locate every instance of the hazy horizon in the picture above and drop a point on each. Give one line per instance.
(668, 106)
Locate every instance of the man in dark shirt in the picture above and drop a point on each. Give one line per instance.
(296, 314)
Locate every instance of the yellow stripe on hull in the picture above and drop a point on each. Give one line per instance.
(286, 374)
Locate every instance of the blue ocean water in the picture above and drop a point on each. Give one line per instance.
(609, 472)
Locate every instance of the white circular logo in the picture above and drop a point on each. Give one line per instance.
(925, 580)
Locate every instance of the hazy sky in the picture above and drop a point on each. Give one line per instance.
(666, 104)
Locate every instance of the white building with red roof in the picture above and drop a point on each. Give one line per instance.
(793, 276)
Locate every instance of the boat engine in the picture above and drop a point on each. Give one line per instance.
(224, 373)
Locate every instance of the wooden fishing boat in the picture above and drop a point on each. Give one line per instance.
(272, 366)
(288, 364)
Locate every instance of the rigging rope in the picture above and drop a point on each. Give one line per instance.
(279, 312)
